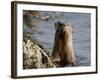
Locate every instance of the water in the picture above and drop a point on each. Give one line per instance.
(44, 31)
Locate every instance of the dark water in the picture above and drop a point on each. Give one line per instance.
(43, 31)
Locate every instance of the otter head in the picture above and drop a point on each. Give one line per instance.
(62, 29)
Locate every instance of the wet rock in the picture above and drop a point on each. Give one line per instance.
(34, 55)
(45, 18)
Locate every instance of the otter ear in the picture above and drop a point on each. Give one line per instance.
(72, 28)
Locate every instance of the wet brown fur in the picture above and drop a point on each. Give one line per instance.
(63, 50)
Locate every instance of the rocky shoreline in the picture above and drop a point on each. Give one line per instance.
(35, 55)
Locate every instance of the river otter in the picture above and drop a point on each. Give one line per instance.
(63, 50)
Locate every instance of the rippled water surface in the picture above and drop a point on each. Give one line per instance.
(43, 31)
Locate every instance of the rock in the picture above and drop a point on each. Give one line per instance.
(34, 55)
(45, 18)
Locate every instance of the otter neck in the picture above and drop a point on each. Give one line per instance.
(68, 41)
